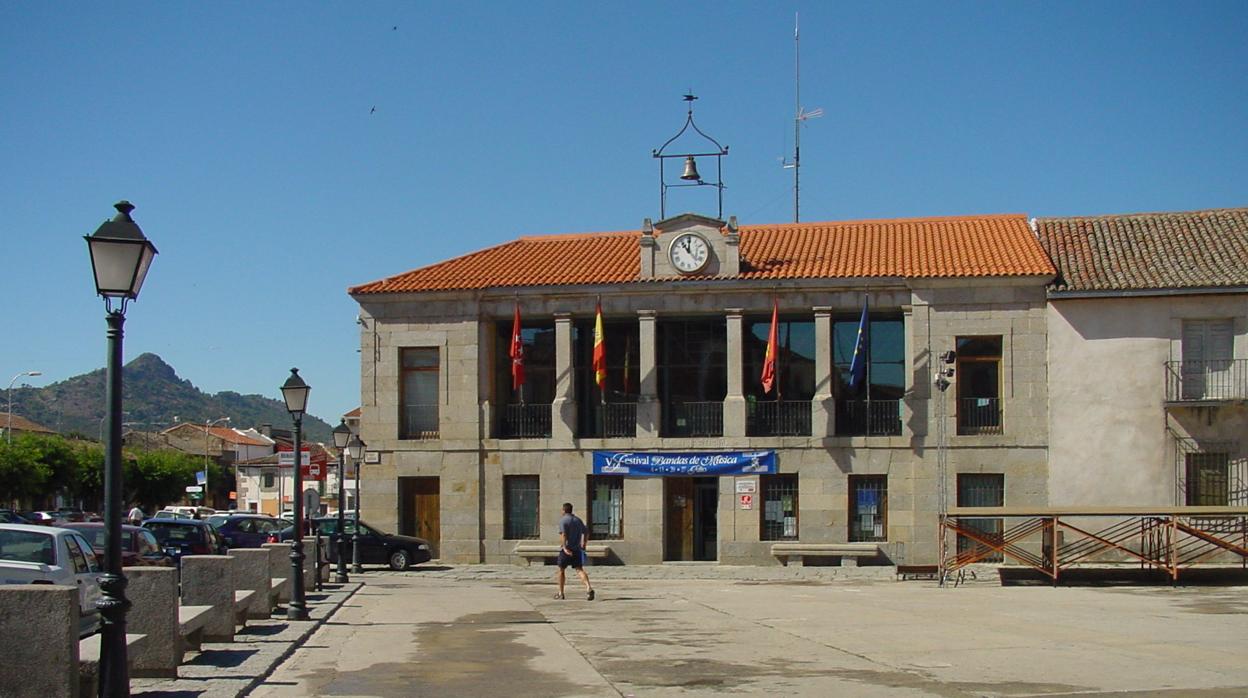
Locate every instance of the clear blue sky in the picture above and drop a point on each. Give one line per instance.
(242, 132)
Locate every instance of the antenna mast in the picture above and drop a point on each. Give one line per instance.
(798, 118)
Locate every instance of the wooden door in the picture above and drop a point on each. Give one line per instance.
(421, 510)
(678, 507)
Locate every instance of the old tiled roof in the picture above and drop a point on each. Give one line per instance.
(20, 423)
(914, 247)
(1145, 251)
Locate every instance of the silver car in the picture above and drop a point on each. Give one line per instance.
(49, 555)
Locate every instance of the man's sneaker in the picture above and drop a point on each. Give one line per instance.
(591, 595)
(558, 594)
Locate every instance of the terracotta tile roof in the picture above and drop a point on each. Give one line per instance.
(234, 437)
(915, 247)
(354, 413)
(1143, 251)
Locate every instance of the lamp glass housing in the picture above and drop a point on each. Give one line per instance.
(356, 448)
(295, 393)
(342, 435)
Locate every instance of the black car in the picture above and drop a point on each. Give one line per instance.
(376, 547)
(8, 516)
(180, 537)
(248, 530)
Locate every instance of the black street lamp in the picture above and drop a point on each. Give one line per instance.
(295, 393)
(342, 435)
(356, 448)
(120, 258)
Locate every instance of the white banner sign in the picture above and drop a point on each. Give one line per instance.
(288, 458)
(194, 488)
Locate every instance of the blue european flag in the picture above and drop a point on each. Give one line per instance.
(858, 366)
(201, 477)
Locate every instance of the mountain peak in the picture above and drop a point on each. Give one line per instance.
(153, 366)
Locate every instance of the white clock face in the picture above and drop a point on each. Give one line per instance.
(689, 252)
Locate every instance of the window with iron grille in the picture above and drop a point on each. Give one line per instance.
(615, 414)
(1208, 481)
(872, 408)
(606, 507)
(981, 490)
(520, 508)
(978, 376)
(779, 511)
(418, 397)
(868, 508)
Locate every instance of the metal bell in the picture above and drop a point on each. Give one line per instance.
(691, 170)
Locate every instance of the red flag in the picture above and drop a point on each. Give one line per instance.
(600, 352)
(769, 361)
(516, 352)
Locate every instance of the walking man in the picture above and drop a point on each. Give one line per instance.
(135, 515)
(573, 536)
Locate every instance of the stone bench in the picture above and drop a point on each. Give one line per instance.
(847, 552)
(208, 580)
(545, 551)
(242, 604)
(252, 572)
(905, 572)
(279, 570)
(191, 621)
(89, 659)
(41, 645)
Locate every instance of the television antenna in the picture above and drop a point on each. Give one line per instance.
(800, 115)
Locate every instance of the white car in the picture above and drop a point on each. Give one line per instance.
(48, 555)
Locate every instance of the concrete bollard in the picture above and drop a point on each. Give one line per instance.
(39, 624)
(153, 593)
(251, 571)
(279, 568)
(208, 580)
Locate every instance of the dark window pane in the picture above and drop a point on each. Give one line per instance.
(795, 369)
(419, 393)
(521, 506)
(987, 347)
(606, 507)
(779, 510)
(868, 507)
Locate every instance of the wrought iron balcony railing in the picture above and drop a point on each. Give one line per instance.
(694, 419)
(610, 421)
(524, 422)
(420, 422)
(868, 417)
(979, 415)
(778, 418)
(1204, 381)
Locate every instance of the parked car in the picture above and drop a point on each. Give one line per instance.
(180, 537)
(249, 530)
(42, 518)
(9, 516)
(49, 555)
(138, 545)
(69, 515)
(188, 512)
(376, 547)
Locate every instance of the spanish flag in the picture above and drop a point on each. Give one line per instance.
(600, 353)
(769, 361)
(516, 352)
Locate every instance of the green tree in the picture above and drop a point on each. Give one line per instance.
(23, 474)
(156, 478)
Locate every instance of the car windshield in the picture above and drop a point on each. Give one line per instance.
(217, 519)
(95, 536)
(173, 533)
(27, 546)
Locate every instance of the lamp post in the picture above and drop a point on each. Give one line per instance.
(207, 432)
(120, 259)
(342, 435)
(295, 393)
(356, 447)
(8, 431)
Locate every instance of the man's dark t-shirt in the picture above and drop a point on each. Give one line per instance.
(572, 529)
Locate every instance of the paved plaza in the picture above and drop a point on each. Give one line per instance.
(500, 631)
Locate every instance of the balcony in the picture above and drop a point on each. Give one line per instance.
(524, 422)
(420, 422)
(979, 415)
(778, 418)
(1225, 380)
(868, 418)
(610, 421)
(689, 419)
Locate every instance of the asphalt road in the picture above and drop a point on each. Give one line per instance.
(412, 635)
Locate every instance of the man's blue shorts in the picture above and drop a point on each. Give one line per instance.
(573, 560)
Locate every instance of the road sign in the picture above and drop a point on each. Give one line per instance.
(747, 501)
(314, 471)
(194, 488)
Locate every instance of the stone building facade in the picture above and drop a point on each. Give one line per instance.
(466, 460)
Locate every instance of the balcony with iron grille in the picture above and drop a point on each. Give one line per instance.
(1206, 382)
(692, 419)
(778, 418)
(979, 415)
(525, 421)
(612, 420)
(420, 422)
(868, 418)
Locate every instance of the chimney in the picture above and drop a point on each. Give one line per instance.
(266, 429)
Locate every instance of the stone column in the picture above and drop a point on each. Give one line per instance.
(208, 580)
(823, 406)
(734, 401)
(563, 415)
(40, 624)
(648, 409)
